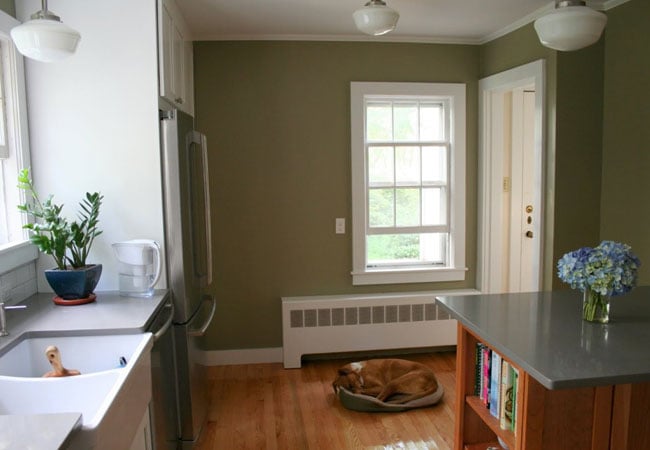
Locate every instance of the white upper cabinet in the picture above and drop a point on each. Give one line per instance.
(175, 57)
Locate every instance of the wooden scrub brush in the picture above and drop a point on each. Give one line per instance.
(54, 357)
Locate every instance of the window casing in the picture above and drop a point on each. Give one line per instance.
(15, 249)
(408, 182)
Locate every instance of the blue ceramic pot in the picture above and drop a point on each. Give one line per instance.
(75, 283)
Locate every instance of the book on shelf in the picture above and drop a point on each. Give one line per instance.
(478, 369)
(505, 396)
(482, 372)
(495, 384)
(515, 384)
(485, 379)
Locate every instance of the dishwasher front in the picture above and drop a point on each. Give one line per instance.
(164, 409)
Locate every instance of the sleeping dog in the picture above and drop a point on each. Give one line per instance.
(389, 380)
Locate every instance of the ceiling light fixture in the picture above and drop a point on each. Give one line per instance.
(570, 26)
(375, 18)
(45, 38)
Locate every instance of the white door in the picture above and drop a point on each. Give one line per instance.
(510, 184)
(524, 232)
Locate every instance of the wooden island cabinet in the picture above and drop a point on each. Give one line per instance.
(580, 385)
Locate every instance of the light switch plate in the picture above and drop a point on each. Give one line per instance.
(340, 225)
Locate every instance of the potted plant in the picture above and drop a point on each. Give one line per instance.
(73, 280)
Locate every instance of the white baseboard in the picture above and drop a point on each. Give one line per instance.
(242, 356)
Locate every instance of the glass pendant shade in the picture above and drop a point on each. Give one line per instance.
(570, 28)
(45, 38)
(375, 18)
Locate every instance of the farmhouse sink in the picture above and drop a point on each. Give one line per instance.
(112, 392)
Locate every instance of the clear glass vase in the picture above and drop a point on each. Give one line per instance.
(595, 306)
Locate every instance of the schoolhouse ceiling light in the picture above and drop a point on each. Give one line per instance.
(45, 38)
(570, 26)
(375, 18)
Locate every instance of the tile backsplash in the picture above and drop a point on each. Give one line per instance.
(18, 284)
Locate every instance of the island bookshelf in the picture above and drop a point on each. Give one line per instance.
(584, 418)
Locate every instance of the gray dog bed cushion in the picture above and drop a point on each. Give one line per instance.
(367, 403)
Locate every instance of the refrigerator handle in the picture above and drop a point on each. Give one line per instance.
(208, 214)
(162, 330)
(199, 139)
(202, 329)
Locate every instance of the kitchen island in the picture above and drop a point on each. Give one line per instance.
(581, 385)
(109, 314)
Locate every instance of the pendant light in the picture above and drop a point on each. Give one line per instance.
(375, 18)
(570, 26)
(45, 38)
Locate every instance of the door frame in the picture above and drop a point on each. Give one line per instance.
(490, 174)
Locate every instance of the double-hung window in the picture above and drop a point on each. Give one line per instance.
(15, 249)
(408, 182)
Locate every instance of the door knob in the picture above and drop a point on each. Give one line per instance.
(529, 234)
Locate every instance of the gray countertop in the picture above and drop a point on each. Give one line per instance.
(544, 334)
(109, 314)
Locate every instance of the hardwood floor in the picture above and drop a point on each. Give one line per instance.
(264, 406)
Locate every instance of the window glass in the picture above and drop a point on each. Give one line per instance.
(434, 164)
(433, 206)
(398, 249)
(407, 165)
(405, 122)
(381, 204)
(379, 125)
(432, 122)
(407, 207)
(381, 170)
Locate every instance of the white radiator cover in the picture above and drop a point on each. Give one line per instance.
(346, 323)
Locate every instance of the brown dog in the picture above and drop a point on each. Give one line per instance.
(389, 380)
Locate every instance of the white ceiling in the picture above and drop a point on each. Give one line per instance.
(444, 21)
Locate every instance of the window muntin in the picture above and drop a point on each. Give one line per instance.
(408, 161)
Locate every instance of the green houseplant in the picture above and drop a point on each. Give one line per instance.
(68, 242)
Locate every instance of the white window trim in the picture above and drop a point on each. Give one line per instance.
(456, 270)
(15, 254)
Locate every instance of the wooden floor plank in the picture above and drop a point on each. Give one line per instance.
(264, 406)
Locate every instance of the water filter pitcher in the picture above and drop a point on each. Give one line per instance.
(139, 268)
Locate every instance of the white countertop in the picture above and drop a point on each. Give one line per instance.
(42, 432)
(109, 314)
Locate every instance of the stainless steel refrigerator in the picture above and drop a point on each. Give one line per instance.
(188, 252)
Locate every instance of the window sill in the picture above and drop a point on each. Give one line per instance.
(408, 276)
(15, 255)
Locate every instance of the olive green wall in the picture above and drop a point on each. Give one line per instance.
(9, 7)
(625, 210)
(276, 116)
(574, 86)
(578, 150)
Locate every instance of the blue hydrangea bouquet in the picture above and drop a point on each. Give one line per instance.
(601, 272)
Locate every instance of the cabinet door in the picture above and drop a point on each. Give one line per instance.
(166, 56)
(178, 63)
(175, 58)
(142, 439)
(188, 77)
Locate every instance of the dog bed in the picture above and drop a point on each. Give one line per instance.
(367, 403)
